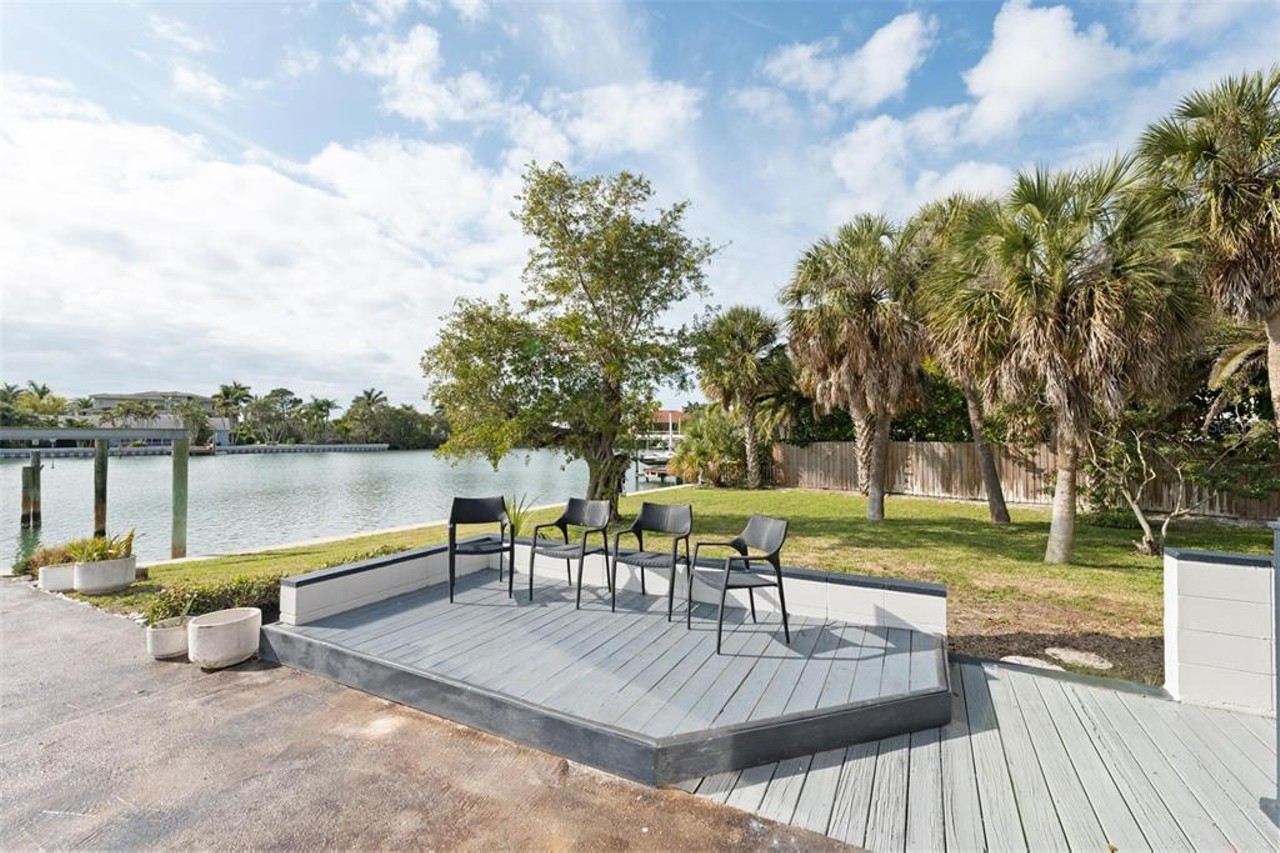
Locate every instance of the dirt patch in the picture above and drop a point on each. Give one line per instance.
(1139, 659)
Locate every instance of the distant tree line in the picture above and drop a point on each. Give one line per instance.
(277, 417)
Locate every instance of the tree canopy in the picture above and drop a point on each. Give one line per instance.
(579, 365)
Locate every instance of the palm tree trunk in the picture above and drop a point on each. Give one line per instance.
(1062, 524)
(1273, 365)
(986, 459)
(877, 469)
(863, 445)
(749, 438)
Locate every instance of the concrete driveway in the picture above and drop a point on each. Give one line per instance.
(101, 747)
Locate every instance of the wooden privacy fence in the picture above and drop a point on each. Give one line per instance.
(939, 469)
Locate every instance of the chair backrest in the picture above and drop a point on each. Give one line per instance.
(584, 513)
(672, 519)
(764, 533)
(478, 510)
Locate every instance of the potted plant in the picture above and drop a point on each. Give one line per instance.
(103, 564)
(167, 635)
(53, 567)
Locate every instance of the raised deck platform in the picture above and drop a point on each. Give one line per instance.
(628, 692)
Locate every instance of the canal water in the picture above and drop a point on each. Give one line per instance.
(245, 502)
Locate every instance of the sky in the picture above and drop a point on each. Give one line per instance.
(293, 195)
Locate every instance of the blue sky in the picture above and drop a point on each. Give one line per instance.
(294, 194)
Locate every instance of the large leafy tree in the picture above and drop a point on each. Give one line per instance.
(959, 346)
(1218, 157)
(855, 345)
(580, 364)
(229, 402)
(740, 365)
(1078, 293)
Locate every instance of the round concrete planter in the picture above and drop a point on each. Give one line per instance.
(104, 576)
(167, 638)
(224, 638)
(60, 578)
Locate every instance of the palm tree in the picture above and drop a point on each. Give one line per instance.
(9, 393)
(38, 389)
(1077, 290)
(1218, 157)
(854, 344)
(315, 414)
(230, 400)
(738, 358)
(372, 398)
(931, 236)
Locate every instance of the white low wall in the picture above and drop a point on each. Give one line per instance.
(306, 598)
(1219, 629)
(820, 595)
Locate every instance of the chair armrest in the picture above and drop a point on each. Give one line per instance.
(547, 524)
(617, 536)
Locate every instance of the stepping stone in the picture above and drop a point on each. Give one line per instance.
(1023, 660)
(1075, 657)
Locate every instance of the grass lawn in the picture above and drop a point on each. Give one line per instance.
(1001, 598)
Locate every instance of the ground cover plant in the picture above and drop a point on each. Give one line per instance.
(1002, 599)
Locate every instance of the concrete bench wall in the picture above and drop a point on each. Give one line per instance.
(840, 597)
(1219, 629)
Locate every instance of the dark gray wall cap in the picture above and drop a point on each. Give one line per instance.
(1257, 561)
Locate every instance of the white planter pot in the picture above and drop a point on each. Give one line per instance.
(105, 576)
(167, 638)
(224, 638)
(61, 578)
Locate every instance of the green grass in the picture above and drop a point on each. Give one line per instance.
(1001, 598)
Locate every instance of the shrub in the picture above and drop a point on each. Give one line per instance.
(49, 555)
(93, 549)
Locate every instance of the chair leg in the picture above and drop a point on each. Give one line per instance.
(578, 604)
(568, 570)
(671, 592)
(452, 561)
(724, 591)
(532, 557)
(613, 585)
(688, 602)
(581, 560)
(751, 596)
(642, 589)
(782, 603)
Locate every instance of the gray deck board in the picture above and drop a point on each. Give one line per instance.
(924, 662)
(852, 800)
(887, 816)
(699, 711)
(1000, 822)
(1066, 793)
(1036, 807)
(1116, 769)
(925, 826)
(1159, 825)
(1207, 791)
(794, 658)
(750, 786)
(961, 811)
(1241, 796)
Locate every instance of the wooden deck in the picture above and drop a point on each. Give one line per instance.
(1033, 762)
(628, 691)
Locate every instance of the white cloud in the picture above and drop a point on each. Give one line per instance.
(143, 255)
(1166, 21)
(299, 60)
(638, 117)
(471, 11)
(381, 13)
(410, 69)
(589, 43)
(871, 75)
(192, 80)
(764, 102)
(876, 160)
(1038, 61)
(178, 34)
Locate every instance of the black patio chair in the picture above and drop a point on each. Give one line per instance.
(482, 511)
(760, 542)
(674, 520)
(591, 515)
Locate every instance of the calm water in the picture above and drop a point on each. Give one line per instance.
(252, 501)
